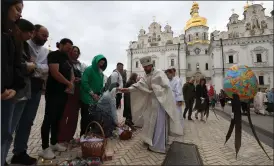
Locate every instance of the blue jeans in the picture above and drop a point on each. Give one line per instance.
(26, 121)
(17, 113)
(7, 109)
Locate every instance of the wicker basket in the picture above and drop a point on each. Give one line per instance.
(94, 149)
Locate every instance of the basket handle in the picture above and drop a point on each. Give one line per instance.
(102, 131)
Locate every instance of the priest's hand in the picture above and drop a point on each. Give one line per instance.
(179, 103)
(124, 90)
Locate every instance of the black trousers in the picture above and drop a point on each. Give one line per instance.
(222, 101)
(55, 106)
(85, 118)
(244, 107)
(118, 100)
(189, 105)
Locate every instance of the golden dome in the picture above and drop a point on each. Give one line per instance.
(195, 19)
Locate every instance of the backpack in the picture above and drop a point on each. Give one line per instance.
(108, 83)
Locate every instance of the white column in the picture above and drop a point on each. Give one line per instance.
(218, 82)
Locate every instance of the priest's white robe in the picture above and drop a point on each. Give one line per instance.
(177, 89)
(153, 108)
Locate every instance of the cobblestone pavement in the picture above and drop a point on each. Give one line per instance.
(209, 137)
(264, 122)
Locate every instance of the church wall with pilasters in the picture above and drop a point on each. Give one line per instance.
(217, 82)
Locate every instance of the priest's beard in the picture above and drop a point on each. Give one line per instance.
(147, 71)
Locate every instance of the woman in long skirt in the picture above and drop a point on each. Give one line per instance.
(202, 100)
(127, 105)
(68, 124)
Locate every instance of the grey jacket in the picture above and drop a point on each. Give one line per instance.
(107, 103)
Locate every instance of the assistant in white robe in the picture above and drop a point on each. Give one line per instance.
(176, 87)
(259, 103)
(154, 109)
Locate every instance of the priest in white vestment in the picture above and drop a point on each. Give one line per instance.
(176, 87)
(153, 107)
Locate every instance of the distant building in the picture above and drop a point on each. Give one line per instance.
(248, 42)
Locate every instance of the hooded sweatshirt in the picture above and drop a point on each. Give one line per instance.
(92, 80)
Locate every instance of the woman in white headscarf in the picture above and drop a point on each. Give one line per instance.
(259, 107)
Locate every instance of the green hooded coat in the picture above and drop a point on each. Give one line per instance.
(92, 80)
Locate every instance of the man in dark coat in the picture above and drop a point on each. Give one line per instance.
(127, 103)
(189, 95)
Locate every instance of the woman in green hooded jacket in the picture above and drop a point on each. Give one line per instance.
(92, 84)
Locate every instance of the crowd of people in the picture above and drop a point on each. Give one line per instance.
(26, 65)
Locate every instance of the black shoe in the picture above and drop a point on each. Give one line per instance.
(23, 159)
(129, 122)
(6, 164)
(184, 116)
(190, 118)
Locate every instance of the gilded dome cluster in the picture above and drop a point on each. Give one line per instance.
(195, 19)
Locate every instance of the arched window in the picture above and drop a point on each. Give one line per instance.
(149, 39)
(197, 36)
(189, 38)
(172, 62)
(206, 66)
(154, 63)
(197, 66)
(205, 38)
(189, 66)
(159, 38)
(136, 64)
(206, 51)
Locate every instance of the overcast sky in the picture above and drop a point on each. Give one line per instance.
(100, 27)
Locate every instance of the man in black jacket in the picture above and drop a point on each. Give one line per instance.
(189, 95)
(38, 55)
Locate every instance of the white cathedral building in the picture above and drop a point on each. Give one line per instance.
(246, 42)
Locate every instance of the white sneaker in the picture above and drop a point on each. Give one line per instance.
(47, 154)
(58, 147)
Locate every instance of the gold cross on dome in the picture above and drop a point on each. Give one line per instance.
(154, 18)
(233, 11)
(262, 3)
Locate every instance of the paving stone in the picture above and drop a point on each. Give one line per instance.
(209, 137)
